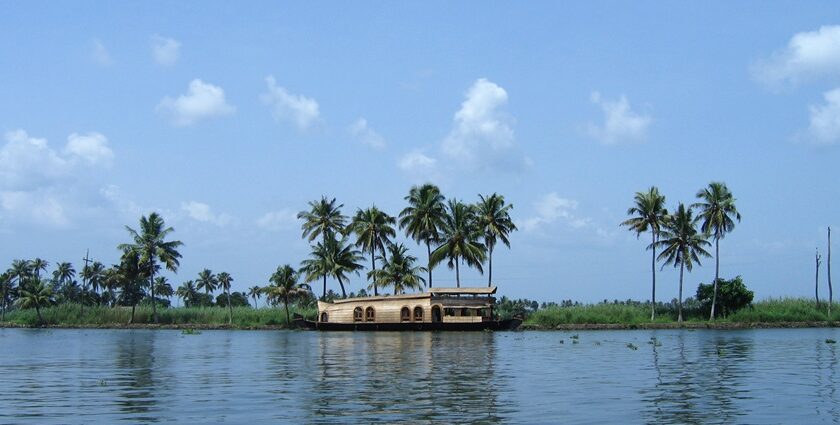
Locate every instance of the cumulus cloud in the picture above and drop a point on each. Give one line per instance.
(41, 206)
(91, 148)
(201, 212)
(202, 101)
(100, 54)
(416, 161)
(165, 50)
(278, 220)
(299, 110)
(825, 119)
(366, 134)
(552, 208)
(621, 124)
(807, 56)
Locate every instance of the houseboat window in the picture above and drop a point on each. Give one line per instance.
(357, 314)
(418, 314)
(324, 317)
(449, 311)
(465, 312)
(369, 314)
(405, 314)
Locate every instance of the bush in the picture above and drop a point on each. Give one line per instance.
(732, 296)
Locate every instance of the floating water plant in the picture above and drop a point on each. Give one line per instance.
(830, 341)
(190, 332)
(632, 346)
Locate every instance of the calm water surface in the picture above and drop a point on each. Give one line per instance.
(672, 376)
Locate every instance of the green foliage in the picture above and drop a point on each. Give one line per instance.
(732, 296)
(237, 299)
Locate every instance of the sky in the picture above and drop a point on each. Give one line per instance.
(229, 117)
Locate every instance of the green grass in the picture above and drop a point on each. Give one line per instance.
(71, 315)
(785, 310)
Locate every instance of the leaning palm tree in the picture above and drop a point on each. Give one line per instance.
(284, 286)
(255, 292)
(717, 211)
(207, 281)
(324, 217)
(648, 213)
(225, 280)
(150, 243)
(682, 245)
(460, 239)
(374, 229)
(495, 224)
(399, 270)
(423, 218)
(187, 292)
(36, 295)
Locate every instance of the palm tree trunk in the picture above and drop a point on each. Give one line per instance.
(230, 309)
(133, 306)
(457, 273)
(653, 274)
(490, 267)
(373, 264)
(38, 311)
(679, 300)
(343, 292)
(828, 267)
(324, 297)
(286, 302)
(152, 282)
(429, 252)
(717, 277)
(817, 280)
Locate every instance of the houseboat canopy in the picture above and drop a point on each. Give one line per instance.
(463, 291)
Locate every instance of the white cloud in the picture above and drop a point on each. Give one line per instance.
(552, 208)
(417, 161)
(825, 119)
(366, 134)
(621, 124)
(42, 207)
(278, 220)
(202, 101)
(92, 148)
(28, 162)
(481, 135)
(100, 54)
(165, 50)
(201, 212)
(808, 55)
(300, 110)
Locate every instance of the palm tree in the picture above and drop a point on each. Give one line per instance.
(37, 266)
(323, 217)
(648, 213)
(423, 218)
(460, 239)
(36, 295)
(255, 292)
(163, 288)
(21, 269)
(128, 277)
(187, 293)
(317, 266)
(285, 286)
(150, 243)
(399, 270)
(207, 281)
(225, 279)
(6, 287)
(94, 274)
(717, 210)
(374, 229)
(495, 224)
(681, 244)
(343, 259)
(63, 273)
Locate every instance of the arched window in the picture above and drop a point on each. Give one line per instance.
(370, 315)
(324, 317)
(357, 314)
(405, 314)
(418, 314)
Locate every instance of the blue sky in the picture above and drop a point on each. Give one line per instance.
(228, 118)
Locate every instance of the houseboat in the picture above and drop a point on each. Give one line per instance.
(457, 309)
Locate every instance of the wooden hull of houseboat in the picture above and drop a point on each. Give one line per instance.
(493, 325)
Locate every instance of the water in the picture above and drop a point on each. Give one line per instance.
(703, 376)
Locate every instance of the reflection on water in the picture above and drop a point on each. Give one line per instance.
(103, 376)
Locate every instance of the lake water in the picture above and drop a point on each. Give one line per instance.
(672, 376)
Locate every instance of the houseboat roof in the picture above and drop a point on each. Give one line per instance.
(430, 293)
(464, 291)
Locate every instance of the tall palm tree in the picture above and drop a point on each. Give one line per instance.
(317, 266)
(187, 292)
(207, 281)
(648, 213)
(423, 218)
(399, 270)
(163, 288)
(717, 211)
(324, 217)
(343, 259)
(460, 239)
(225, 280)
(6, 287)
(129, 277)
(21, 269)
(681, 244)
(64, 272)
(495, 224)
(255, 292)
(94, 275)
(150, 242)
(36, 295)
(374, 229)
(37, 266)
(284, 286)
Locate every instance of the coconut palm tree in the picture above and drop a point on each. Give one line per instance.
(717, 211)
(63, 273)
(36, 295)
(343, 259)
(21, 270)
(6, 287)
(324, 217)
(129, 278)
(94, 274)
(648, 214)
(187, 293)
(255, 292)
(225, 280)
(399, 270)
(423, 218)
(460, 239)
(37, 266)
(682, 245)
(374, 229)
(150, 242)
(284, 286)
(162, 287)
(207, 281)
(317, 266)
(495, 224)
